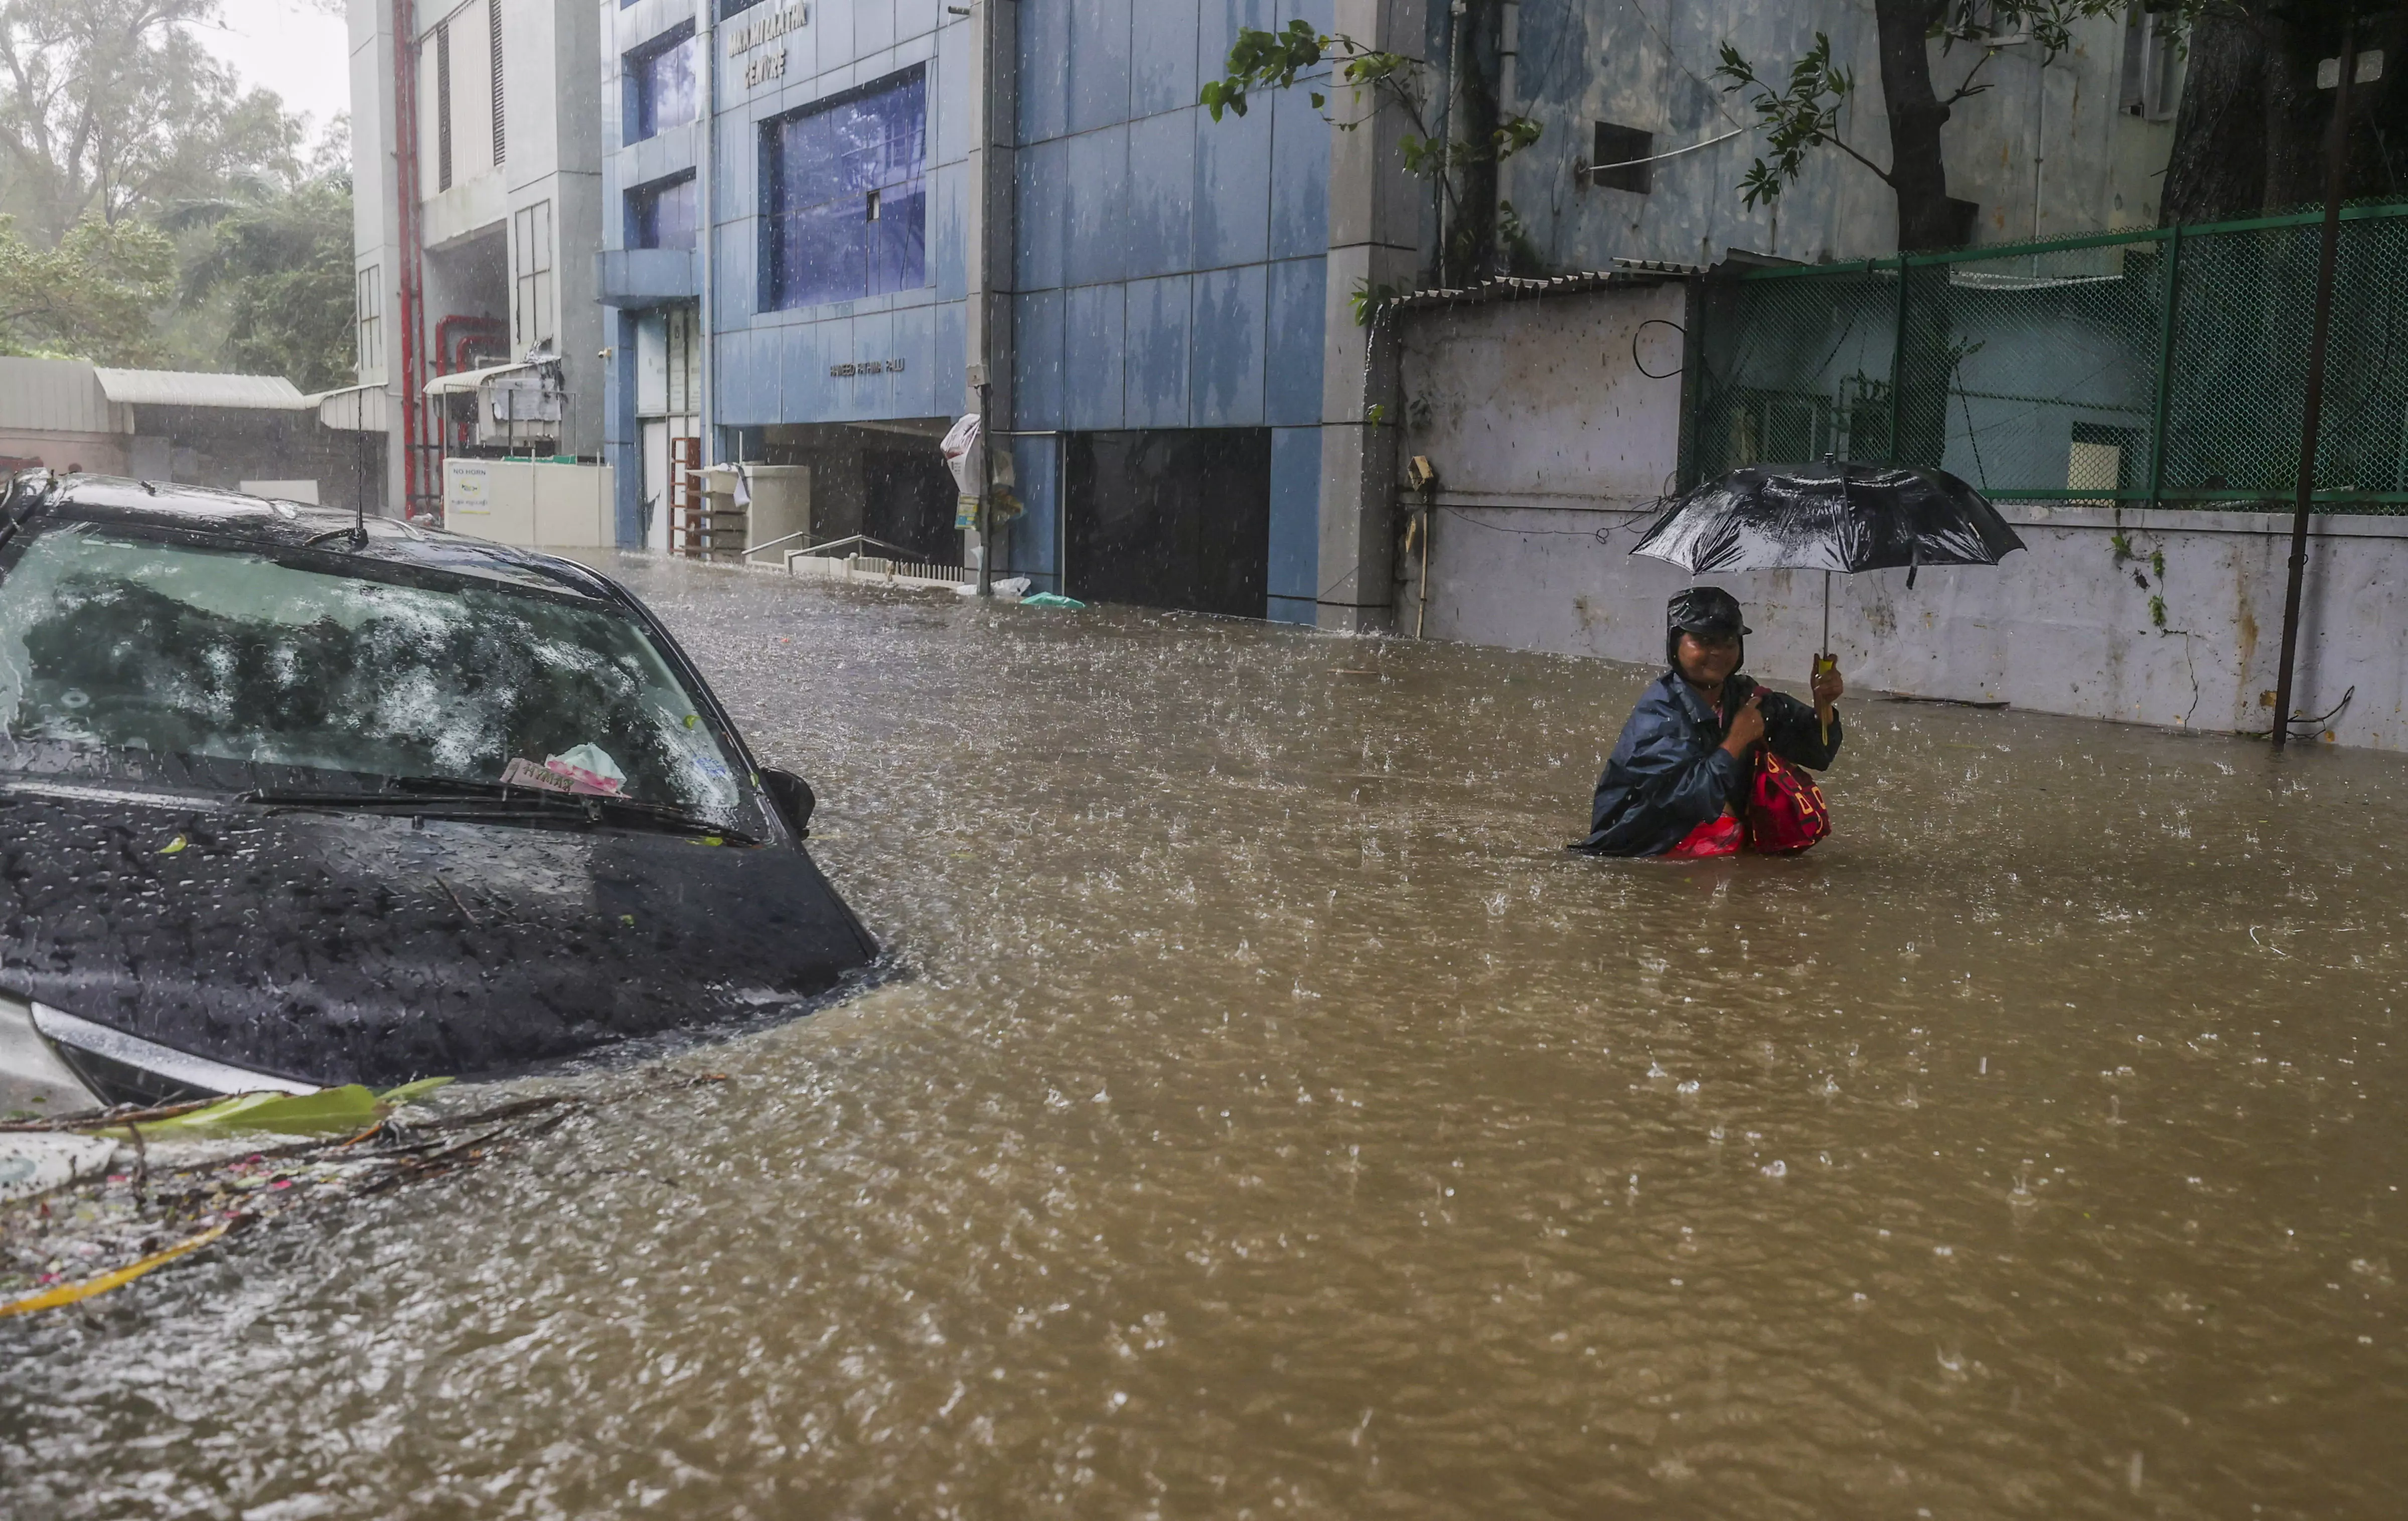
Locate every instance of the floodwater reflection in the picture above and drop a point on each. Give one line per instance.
(1277, 1121)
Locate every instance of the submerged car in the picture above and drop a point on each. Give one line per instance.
(289, 800)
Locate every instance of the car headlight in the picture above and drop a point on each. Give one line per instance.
(35, 1083)
(53, 1062)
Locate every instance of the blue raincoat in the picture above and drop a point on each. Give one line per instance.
(1669, 772)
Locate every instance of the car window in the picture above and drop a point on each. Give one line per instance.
(108, 638)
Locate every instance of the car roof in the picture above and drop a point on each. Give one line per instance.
(239, 520)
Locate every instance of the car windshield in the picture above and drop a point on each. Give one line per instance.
(109, 640)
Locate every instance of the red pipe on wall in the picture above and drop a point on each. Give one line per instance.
(452, 353)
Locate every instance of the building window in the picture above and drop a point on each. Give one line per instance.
(494, 47)
(369, 317)
(731, 7)
(2152, 51)
(443, 105)
(661, 215)
(531, 313)
(1618, 162)
(846, 195)
(660, 85)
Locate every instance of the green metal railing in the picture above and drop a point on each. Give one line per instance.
(2160, 367)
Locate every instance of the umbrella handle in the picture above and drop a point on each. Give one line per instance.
(1826, 660)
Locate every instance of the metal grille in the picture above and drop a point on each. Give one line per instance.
(2164, 367)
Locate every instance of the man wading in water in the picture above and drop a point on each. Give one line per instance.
(1695, 772)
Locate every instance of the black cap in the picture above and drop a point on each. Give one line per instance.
(1705, 609)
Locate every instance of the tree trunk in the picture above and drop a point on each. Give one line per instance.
(2249, 132)
(1470, 253)
(1927, 219)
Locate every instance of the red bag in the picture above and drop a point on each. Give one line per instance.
(1720, 836)
(1785, 811)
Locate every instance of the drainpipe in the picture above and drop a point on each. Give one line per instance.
(707, 44)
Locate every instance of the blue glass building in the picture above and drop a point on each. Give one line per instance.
(1152, 290)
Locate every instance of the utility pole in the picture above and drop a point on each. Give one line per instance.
(987, 487)
(2312, 420)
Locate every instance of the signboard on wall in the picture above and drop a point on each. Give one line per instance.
(757, 34)
(467, 487)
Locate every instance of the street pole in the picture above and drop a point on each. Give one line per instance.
(2311, 422)
(986, 491)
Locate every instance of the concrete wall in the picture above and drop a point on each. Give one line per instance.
(2045, 150)
(1553, 448)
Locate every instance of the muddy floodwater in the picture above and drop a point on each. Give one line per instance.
(1270, 1119)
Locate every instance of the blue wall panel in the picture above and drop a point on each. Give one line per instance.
(948, 373)
(1036, 359)
(1296, 524)
(1321, 15)
(1034, 536)
(1217, 25)
(1291, 369)
(1226, 373)
(1161, 193)
(1162, 54)
(1044, 69)
(802, 364)
(1100, 62)
(1233, 175)
(948, 231)
(1096, 240)
(1044, 182)
(1299, 171)
(1155, 378)
(1093, 339)
(873, 25)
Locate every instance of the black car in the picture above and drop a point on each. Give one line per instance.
(290, 801)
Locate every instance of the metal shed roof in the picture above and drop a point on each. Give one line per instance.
(188, 388)
(1515, 287)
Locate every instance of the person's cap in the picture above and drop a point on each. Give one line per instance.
(1706, 609)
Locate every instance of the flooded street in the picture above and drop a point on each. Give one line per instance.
(1271, 1119)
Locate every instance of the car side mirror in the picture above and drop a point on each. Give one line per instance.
(792, 796)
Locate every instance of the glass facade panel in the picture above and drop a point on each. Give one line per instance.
(662, 215)
(660, 84)
(847, 212)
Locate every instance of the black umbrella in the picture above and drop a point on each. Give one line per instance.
(1827, 517)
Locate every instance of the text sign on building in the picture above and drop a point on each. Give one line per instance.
(866, 366)
(760, 32)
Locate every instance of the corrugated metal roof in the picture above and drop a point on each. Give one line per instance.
(355, 408)
(189, 388)
(1517, 288)
(462, 381)
(56, 396)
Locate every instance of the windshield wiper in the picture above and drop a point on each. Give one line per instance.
(488, 797)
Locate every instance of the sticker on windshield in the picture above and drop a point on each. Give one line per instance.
(588, 768)
(523, 772)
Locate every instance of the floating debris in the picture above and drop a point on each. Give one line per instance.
(182, 1176)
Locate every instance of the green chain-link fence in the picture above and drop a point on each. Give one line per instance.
(2163, 366)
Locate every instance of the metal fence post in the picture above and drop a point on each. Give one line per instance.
(2166, 311)
(1897, 359)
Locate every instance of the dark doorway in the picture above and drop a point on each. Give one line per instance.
(1170, 518)
(908, 498)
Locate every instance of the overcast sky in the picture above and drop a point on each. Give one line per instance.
(292, 47)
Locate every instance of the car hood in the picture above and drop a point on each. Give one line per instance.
(372, 948)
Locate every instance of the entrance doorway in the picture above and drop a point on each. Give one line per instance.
(668, 399)
(1169, 518)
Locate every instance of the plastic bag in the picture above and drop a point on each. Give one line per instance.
(964, 453)
(588, 768)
